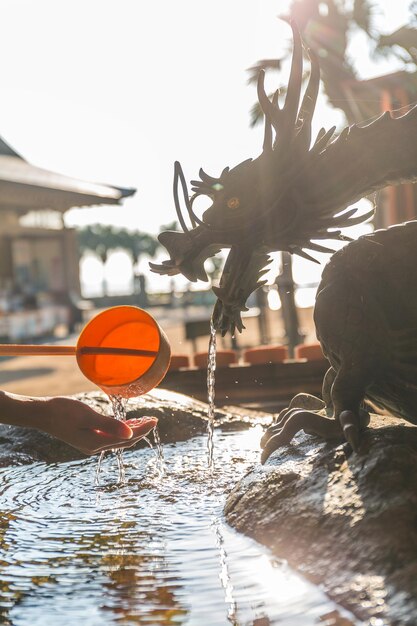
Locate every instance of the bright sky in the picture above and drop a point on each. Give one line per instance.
(116, 90)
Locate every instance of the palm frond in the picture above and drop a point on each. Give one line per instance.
(362, 15)
(263, 64)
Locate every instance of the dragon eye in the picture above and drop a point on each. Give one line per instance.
(233, 203)
(217, 186)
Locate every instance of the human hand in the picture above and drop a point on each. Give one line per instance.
(82, 427)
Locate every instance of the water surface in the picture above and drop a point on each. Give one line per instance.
(154, 551)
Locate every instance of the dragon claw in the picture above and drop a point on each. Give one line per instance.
(294, 420)
(352, 436)
(276, 440)
(350, 425)
(267, 451)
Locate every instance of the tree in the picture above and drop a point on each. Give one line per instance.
(327, 27)
(101, 240)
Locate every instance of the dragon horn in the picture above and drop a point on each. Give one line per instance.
(273, 113)
(292, 100)
(267, 145)
(283, 120)
(308, 104)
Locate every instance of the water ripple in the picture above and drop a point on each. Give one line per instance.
(155, 551)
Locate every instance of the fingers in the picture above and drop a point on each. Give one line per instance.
(142, 426)
(96, 440)
(118, 446)
(84, 428)
(137, 427)
(111, 427)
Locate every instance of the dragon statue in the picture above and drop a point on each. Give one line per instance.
(296, 193)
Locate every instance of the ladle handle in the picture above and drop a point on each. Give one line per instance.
(17, 349)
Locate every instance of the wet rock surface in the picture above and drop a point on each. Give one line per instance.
(345, 520)
(180, 417)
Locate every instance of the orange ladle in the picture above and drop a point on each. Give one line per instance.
(122, 350)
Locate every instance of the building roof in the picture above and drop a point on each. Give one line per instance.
(6, 150)
(364, 98)
(25, 187)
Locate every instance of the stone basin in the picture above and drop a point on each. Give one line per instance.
(155, 549)
(348, 521)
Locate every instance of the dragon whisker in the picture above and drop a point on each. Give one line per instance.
(194, 216)
(177, 175)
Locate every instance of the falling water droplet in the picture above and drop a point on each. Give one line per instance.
(98, 468)
(159, 451)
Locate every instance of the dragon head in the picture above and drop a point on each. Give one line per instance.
(294, 194)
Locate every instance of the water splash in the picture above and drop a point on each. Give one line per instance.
(119, 413)
(211, 379)
(98, 468)
(159, 451)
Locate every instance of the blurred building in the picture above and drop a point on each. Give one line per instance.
(39, 257)
(365, 100)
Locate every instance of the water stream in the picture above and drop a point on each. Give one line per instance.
(155, 551)
(119, 413)
(211, 381)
